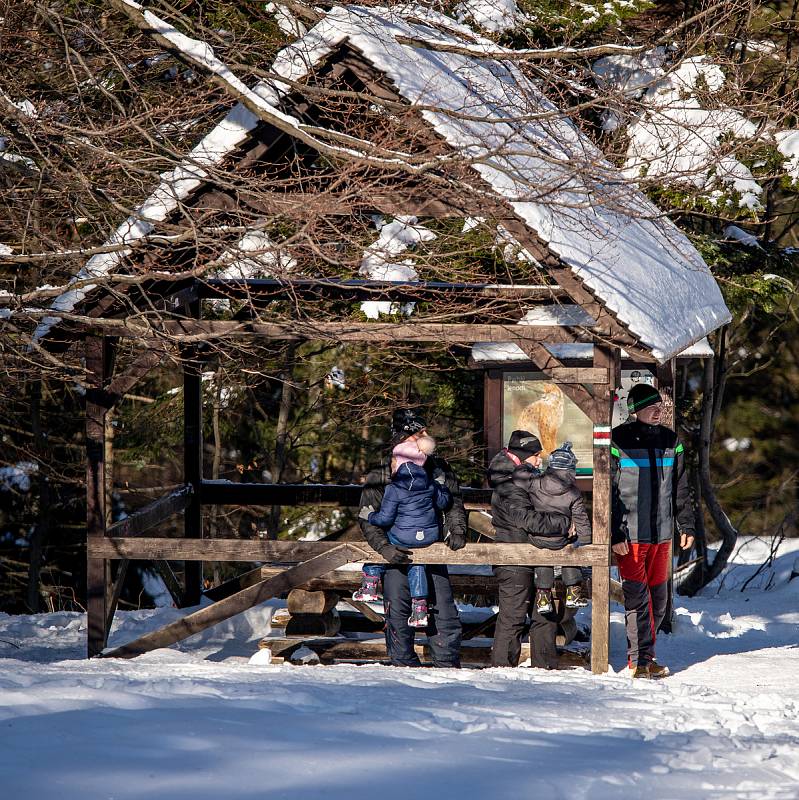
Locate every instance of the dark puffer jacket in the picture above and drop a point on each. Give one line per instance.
(408, 510)
(377, 482)
(515, 519)
(555, 491)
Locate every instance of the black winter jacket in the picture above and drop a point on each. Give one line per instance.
(514, 517)
(650, 485)
(556, 492)
(454, 519)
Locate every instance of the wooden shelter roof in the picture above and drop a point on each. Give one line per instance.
(573, 213)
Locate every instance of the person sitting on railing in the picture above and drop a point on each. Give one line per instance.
(516, 522)
(444, 627)
(409, 515)
(556, 491)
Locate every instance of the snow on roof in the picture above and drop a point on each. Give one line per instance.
(177, 185)
(499, 352)
(636, 262)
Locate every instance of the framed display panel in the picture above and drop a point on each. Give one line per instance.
(532, 402)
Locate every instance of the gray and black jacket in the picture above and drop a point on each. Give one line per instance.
(650, 485)
(555, 491)
(515, 519)
(454, 518)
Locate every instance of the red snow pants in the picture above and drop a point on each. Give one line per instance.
(644, 575)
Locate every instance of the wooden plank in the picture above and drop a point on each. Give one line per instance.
(116, 591)
(366, 610)
(224, 609)
(152, 514)
(170, 581)
(355, 331)
(145, 362)
(474, 653)
(224, 492)
(284, 552)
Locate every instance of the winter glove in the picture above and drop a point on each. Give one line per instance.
(439, 476)
(394, 554)
(455, 541)
(365, 512)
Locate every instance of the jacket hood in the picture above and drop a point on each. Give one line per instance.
(501, 469)
(556, 481)
(412, 477)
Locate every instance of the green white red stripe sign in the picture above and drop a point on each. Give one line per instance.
(601, 435)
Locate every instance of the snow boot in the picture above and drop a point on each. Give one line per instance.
(543, 601)
(418, 617)
(657, 670)
(575, 597)
(369, 591)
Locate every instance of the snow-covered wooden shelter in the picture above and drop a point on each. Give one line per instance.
(610, 272)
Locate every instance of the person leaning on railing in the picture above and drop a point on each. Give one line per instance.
(444, 627)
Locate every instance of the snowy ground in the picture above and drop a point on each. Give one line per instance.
(202, 721)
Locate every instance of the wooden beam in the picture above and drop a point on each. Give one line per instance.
(145, 362)
(119, 581)
(165, 572)
(607, 359)
(153, 514)
(265, 289)
(224, 609)
(285, 552)
(582, 396)
(354, 331)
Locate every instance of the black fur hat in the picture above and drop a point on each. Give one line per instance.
(405, 422)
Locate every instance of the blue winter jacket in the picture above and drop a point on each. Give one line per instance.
(408, 509)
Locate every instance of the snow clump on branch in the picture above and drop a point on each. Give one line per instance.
(378, 262)
(675, 137)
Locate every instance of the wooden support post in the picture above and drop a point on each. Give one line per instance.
(608, 359)
(172, 584)
(193, 471)
(116, 591)
(492, 413)
(235, 604)
(98, 578)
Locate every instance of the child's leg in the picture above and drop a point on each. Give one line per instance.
(417, 581)
(571, 575)
(369, 590)
(544, 577)
(374, 570)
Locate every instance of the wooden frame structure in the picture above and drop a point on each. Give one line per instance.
(125, 541)
(179, 306)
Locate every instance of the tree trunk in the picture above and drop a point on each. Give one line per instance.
(281, 434)
(714, 383)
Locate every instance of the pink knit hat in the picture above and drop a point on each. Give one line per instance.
(408, 451)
